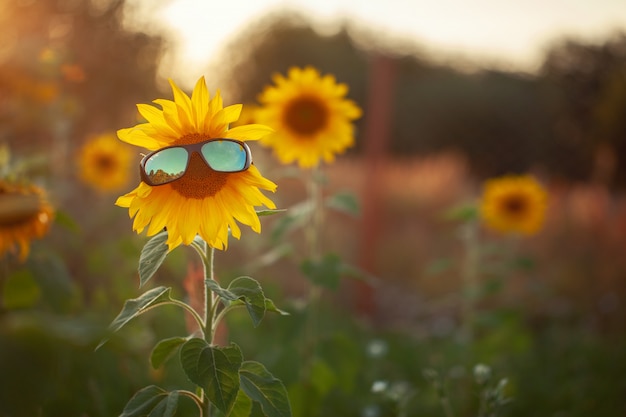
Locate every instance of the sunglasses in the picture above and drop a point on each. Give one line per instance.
(169, 164)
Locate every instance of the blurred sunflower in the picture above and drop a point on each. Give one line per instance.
(201, 201)
(311, 117)
(514, 204)
(105, 163)
(25, 214)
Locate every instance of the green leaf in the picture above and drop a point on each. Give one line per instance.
(151, 401)
(137, 306)
(269, 212)
(325, 272)
(271, 307)
(214, 369)
(462, 212)
(223, 293)
(328, 271)
(439, 266)
(524, 263)
(242, 406)
(305, 401)
(249, 291)
(322, 376)
(20, 290)
(345, 202)
(261, 386)
(152, 256)
(167, 407)
(65, 220)
(298, 215)
(164, 350)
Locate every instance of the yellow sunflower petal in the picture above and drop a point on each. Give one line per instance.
(249, 132)
(136, 136)
(222, 118)
(180, 98)
(200, 103)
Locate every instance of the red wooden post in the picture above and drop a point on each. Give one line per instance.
(377, 134)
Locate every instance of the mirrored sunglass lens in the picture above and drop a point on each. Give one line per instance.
(166, 165)
(224, 155)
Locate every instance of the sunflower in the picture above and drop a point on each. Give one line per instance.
(105, 163)
(202, 201)
(514, 204)
(311, 117)
(25, 214)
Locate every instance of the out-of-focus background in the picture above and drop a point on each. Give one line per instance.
(453, 93)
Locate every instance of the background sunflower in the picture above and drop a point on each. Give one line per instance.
(104, 163)
(25, 214)
(312, 119)
(514, 204)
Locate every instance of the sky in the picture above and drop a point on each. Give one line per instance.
(514, 33)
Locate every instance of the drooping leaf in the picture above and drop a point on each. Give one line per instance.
(328, 271)
(296, 216)
(223, 293)
(345, 202)
(271, 307)
(462, 212)
(325, 272)
(164, 350)
(167, 407)
(261, 386)
(269, 212)
(277, 252)
(214, 369)
(136, 306)
(152, 256)
(249, 291)
(152, 401)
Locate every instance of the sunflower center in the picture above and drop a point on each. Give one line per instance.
(515, 205)
(16, 209)
(199, 181)
(105, 163)
(305, 115)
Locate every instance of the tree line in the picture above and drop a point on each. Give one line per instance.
(567, 119)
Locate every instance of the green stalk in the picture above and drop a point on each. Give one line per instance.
(469, 279)
(207, 254)
(312, 231)
(209, 311)
(316, 221)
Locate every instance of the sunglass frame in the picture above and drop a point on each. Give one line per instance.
(191, 148)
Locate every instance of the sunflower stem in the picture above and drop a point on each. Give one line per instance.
(314, 227)
(469, 276)
(209, 310)
(315, 224)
